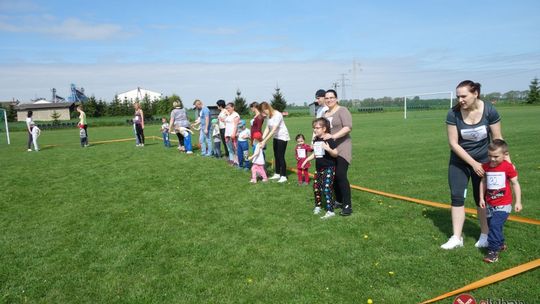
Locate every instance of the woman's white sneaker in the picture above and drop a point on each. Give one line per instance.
(453, 242)
(282, 179)
(275, 176)
(328, 215)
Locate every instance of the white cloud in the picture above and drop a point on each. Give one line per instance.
(71, 28)
(209, 82)
(18, 6)
(76, 29)
(218, 31)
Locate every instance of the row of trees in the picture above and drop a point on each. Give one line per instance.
(278, 102)
(11, 112)
(531, 96)
(99, 108)
(163, 106)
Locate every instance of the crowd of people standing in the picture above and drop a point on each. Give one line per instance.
(477, 153)
(229, 133)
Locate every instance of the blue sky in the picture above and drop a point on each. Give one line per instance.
(209, 49)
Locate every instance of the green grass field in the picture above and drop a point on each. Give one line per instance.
(117, 224)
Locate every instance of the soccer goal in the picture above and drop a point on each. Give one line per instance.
(427, 101)
(3, 116)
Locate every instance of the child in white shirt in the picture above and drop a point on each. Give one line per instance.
(165, 132)
(216, 138)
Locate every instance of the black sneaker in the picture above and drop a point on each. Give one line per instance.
(491, 257)
(346, 210)
(504, 247)
(338, 205)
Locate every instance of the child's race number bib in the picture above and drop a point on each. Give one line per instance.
(495, 180)
(318, 149)
(301, 153)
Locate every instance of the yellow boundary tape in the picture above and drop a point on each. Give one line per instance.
(490, 280)
(475, 285)
(480, 283)
(434, 204)
(391, 195)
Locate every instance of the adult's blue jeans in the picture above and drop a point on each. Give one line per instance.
(205, 140)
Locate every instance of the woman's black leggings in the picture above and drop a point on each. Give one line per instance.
(279, 155)
(30, 139)
(140, 133)
(459, 174)
(342, 187)
(222, 135)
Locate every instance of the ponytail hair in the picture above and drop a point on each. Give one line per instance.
(474, 87)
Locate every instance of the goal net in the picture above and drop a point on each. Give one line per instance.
(426, 101)
(4, 128)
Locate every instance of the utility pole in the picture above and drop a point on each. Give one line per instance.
(355, 71)
(343, 84)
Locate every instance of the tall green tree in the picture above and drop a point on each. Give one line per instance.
(534, 92)
(101, 108)
(56, 118)
(147, 106)
(114, 109)
(90, 106)
(493, 96)
(278, 102)
(127, 108)
(240, 103)
(11, 113)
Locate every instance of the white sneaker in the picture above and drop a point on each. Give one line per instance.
(275, 176)
(328, 215)
(482, 241)
(189, 152)
(282, 179)
(29, 150)
(317, 210)
(453, 242)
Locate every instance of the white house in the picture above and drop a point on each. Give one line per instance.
(44, 110)
(139, 94)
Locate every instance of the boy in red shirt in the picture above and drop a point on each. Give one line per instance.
(496, 191)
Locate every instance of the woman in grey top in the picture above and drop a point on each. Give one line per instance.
(471, 124)
(179, 119)
(340, 126)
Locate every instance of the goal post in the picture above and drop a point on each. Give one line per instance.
(4, 115)
(415, 97)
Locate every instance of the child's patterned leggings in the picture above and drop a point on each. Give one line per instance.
(323, 187)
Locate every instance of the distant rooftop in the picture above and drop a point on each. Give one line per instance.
(30, 106)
